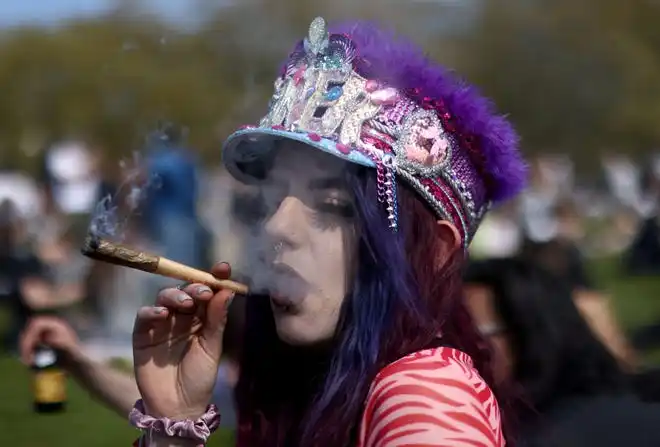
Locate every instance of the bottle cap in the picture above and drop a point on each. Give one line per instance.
(44, 357)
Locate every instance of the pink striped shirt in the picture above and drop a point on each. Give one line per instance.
(431, 398)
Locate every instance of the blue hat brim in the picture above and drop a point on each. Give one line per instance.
(260, 139)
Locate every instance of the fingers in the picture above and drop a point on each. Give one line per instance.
(199, 292)
(170, 301)
(215, 320)
(183, 300)
(35, 333)
(221, 270)
(193, 298)
(30, 338)
(210, 307)
(147, 316)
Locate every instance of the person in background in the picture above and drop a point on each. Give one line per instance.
(26, 194)
(24, 287)
(67, 271)
(499, 236)
(574, 391)
(116, 389)
(563, 259)
(71, 179)
(536, 204)
(643, 255)
(169, 215)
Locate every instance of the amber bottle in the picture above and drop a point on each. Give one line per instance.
(49, 381)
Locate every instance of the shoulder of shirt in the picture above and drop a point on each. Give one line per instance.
(437, 368)
(435, 393)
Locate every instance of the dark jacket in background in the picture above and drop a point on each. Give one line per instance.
(605, 421)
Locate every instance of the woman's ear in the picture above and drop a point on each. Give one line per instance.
(451, 241)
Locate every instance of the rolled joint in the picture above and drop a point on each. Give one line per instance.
(107, 251)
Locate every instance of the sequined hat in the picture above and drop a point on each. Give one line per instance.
(364, 95)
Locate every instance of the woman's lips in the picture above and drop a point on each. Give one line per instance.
(280, 300)
(289, 288)
(283, 305)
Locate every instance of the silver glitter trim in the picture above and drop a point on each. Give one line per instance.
(317, 37)
(382, 128)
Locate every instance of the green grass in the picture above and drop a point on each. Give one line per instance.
(636, 300)
(86, 423)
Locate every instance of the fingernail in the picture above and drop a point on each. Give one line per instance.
(229, 300)
(202, 290)
(182, 298)
(159, 310)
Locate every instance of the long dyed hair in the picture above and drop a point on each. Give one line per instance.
(399, 303)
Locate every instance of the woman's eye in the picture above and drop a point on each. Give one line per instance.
(248, 209)
(337, 207)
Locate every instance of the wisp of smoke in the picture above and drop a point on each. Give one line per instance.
(113, 213)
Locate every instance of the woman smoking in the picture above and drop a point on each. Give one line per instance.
(374, 168)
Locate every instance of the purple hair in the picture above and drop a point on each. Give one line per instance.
(398, 305)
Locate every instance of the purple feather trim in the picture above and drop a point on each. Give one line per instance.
(383, 55)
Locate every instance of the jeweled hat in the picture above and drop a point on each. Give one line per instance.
(364, 95)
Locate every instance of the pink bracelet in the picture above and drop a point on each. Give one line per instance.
(198, 431)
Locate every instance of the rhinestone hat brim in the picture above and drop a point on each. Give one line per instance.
(263, 138)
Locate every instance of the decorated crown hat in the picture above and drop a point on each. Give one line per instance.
(364, 95)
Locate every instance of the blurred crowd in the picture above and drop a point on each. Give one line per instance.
(44, 222)
(552, 329)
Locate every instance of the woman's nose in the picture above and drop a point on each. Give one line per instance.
(286, 224)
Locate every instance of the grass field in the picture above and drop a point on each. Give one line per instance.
(85, 423)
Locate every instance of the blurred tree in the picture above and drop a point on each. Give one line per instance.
(108, 80)
(574, 76)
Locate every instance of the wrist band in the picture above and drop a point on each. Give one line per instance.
(198, 430)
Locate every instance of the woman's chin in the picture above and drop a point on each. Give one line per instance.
(290, 332)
